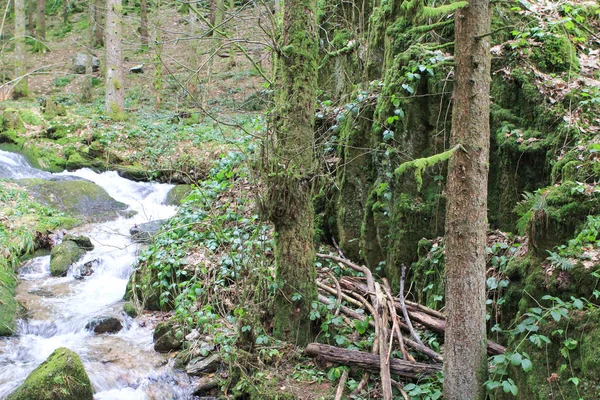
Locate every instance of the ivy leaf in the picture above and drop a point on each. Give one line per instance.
(556, 315)
(516, 359)
(526, 364)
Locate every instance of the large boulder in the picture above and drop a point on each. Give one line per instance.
(64, 255)
(77, 198)
(165, 339)
(60, 377)
(80, 63)
(177, 194)
(203, 365)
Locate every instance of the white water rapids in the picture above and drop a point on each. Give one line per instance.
(122, 365)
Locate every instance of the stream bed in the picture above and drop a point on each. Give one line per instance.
(123, 365)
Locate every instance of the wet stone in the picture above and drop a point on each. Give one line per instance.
(104, 325)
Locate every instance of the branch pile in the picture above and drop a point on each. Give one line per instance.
(392, 319)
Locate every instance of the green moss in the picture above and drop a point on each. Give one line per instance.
(29, 117)
(556, 54)
(63, 256)
(79, 198)
(61, 377)
(8, 305)
(130, 309)
(177, 194)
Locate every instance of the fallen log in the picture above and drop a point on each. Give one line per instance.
(370, 361)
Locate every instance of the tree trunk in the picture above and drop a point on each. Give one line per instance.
(41, 20)
(99, 41)
(290, 172)
(21, 88)
(465, 366)
(144, 24)
(114, 60)
(31, 11)
(66, 12)
(158, 70)
(86, 95)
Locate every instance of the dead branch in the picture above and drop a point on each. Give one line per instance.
(370, 361)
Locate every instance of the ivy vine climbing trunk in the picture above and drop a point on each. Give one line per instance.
(290, 171)
(21, 88)
(115, 92)
(465, 366)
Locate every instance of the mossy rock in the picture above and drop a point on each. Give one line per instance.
(61, 377)
(82, 241)
(8, 304)
(63, 256)
(80, 198)
(130, 309)
(140, 288)
(51, 108)
(165, 338)
(11, 119)
(177, 194)
(556, 54)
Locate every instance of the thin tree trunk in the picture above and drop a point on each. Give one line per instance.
(158, 70)
(465, 365)
(114, 60)
(66, 12)
(41, 20)
(144, 23)
(21, 88)
(217, 20)
(86, 94)
(290, 172)
(98, 23)
(31, 11)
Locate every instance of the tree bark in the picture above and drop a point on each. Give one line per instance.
(86, 93)
(31, 12)
(289, 172)
(41, 20)
(21, 88)
(114, 100)
(370, 361)
(465, 366)
(99, 41)
(144, 23)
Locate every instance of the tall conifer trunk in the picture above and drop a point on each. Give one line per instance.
(144, 24)
(290, 171)
(465, 365)
(114, 100)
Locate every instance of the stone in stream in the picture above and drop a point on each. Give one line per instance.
(130, 309)
(63, 256)
(203, 365)
(142, 233)
(60, 377)
(82, 241)
(77, 198)
(165, 339)
(104, 325)
(86, 269)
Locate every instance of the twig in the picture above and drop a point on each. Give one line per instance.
(394, 316)
(340, 388)
(404, 311)
(339, 292)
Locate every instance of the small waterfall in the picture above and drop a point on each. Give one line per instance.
(122, 365)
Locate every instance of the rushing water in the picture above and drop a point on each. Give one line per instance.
(122, 365)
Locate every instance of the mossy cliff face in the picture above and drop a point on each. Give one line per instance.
(60, 377)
